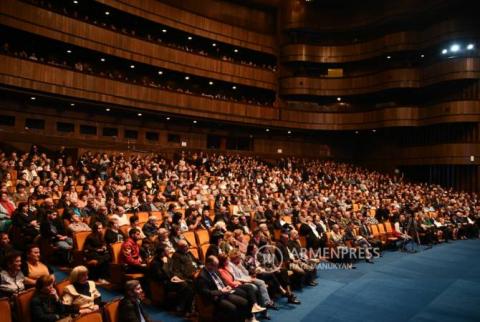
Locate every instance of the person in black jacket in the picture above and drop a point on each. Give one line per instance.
(46, 305)
(52, 230)
(95, 249)
(130, 308)
(232, 307)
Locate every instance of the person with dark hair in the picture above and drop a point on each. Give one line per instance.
(33, 268)
(130, 308)
(130, 253)
(26, 222)
(12, 280)
(46, 305)
(52, 230)
(5, 247)
(95, 249)
(113, 233)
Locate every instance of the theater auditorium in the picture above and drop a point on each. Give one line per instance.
(239, 161)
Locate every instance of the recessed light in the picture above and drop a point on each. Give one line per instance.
(107, 13)
(388, 57)
(75, 2)
(189, 38)
(167, 118)
(187, 78)
(33, 98)
(374, 130)
(339, 99)
(422, 55)
(164, 30)
(160, 72)
(214, 45)
(107, 109)
(267, 130)
(234, 87)
(356, 132)
(69, 51)
(470, 46)
(210, 83)
(102, 59)
(289, 132)
(139, 114)
(454, 48)
(235, 50)
(132, 66)
(194, 122)
(72, 104)
(444, 51)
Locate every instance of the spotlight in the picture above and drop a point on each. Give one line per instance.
(102, 60)
(69, 51)
(214, 45)
(389, 57)
(374, 130)
(444, 51)
(107, 109)
(164, 30)
(187, 78)
(454, 48)
(189, 38)
(72, 104)
(422, 56)
(167, 118)
(289, 132)
(160, 72)
(132, 66)
(107, 13)
(470, 46)
(267, 130)
(234, 87)
(33, 98)
(75, 2)
(210, 83)
(235, 50)
(356, 132)
(194, 122)
(339, 99)
(139, 114)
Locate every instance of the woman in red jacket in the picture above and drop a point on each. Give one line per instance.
(250, 289)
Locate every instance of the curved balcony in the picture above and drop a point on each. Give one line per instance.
(46, 23)
(400, 41)
(453, 69)
(196, 24)
(39, 77)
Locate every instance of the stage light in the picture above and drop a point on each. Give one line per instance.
(189, 38)
(389, 57)
(470, 46)
(75, 2)
(374, 130)
(214, 45)
(160, 72)
(356, 132)
(167, 118)
(454, 48)
(194, 122)
(132, 66)
(164, 30)
(267, 130)
(33, 98)
(234, 87)
(235, 50)
(422, 56)
(107, 109)
(187, 78)
(102, 60)
(107, 13)
(210, 83)
(139, 114)
(72, 104)
(69, 51)
(289, 132)
(444, 51)
(339, 99)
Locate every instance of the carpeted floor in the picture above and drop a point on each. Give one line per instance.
(439, 284)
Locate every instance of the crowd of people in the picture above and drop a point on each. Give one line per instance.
(243, 203)
(147, 30)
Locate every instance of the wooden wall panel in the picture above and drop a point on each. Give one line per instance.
(39, 21)
(399, 41)
(452, 69)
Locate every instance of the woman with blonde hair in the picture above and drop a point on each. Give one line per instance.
(81, 293)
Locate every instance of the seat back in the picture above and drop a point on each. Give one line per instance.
(190, 238)
(374, 230)
(116, 248)
(22, 302)
(79, 239)
(5, 309)
(60, 286)
(381, 229)
(89, 317)
(143, 216)
(203, 237)
(124, 229)
(388, 227)
(204, 249)
(287, 219)
(111, 310)
(195, 253)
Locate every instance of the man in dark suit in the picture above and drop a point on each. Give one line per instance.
(130, 308)
(231, 304)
